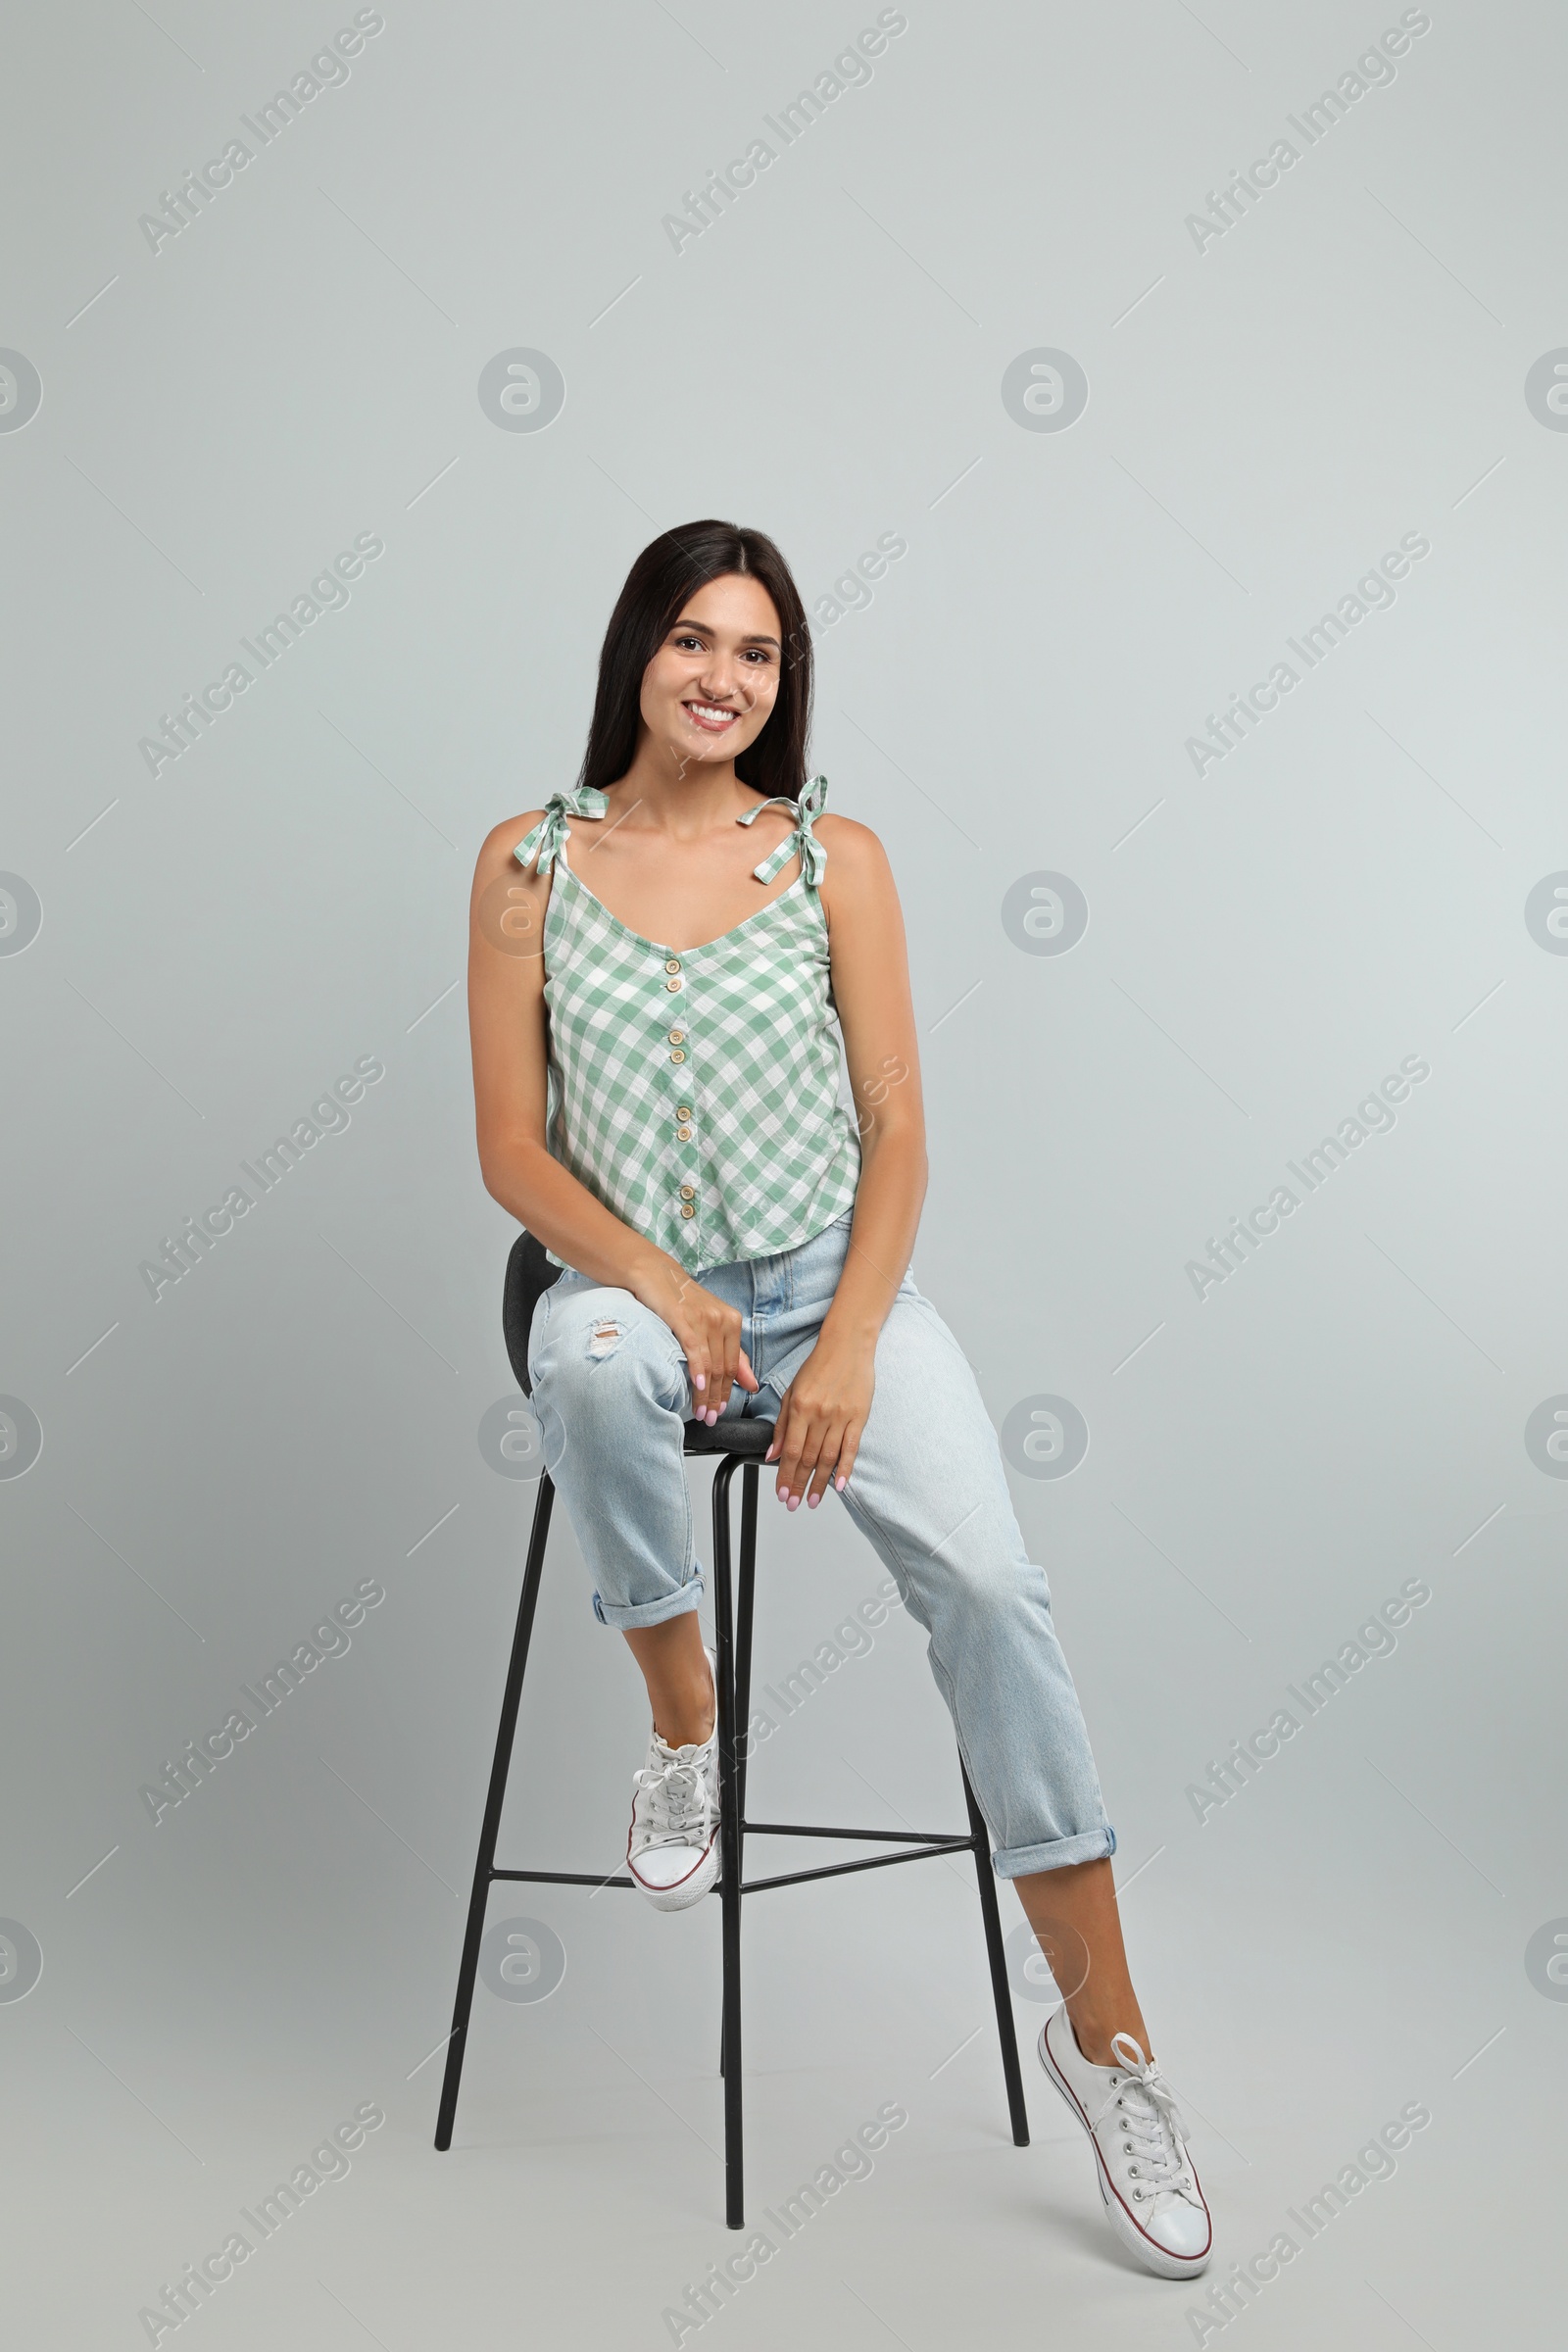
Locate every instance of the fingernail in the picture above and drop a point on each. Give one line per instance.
(812, 1502)
(699, 1380)
(840, 1484)
(783, 1494)
(794, 1504)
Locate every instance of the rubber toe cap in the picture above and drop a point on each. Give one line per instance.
(667, 1865)
(1180, 2228)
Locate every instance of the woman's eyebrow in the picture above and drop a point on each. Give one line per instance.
(699, 628)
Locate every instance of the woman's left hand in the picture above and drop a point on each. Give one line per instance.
(824, 1409)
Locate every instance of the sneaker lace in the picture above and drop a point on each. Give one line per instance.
(1151, 2123)
(677, 1801)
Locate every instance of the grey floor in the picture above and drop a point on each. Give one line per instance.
(179, 2063)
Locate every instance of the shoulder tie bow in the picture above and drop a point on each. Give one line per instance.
(814, 857)
(553, 831)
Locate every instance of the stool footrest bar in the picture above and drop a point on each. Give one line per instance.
(842, 1870)
(561, 1878)
(791, 1829)
(795, 1878)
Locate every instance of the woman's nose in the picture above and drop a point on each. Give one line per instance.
(725, 683)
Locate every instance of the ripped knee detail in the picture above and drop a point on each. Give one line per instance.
(609, 1338)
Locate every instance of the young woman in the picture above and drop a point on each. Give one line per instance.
(658, 1094)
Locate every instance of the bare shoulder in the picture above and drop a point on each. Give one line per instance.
(859, 896)
(856, 857)
(496, 851)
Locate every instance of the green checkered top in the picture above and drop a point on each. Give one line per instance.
(695, 1093)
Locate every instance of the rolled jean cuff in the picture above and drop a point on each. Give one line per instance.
(1090, 1845)
(652, 1612)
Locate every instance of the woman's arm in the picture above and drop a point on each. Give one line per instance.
(876, 1014)
(507, 1033)
(508, 1026)
(826, 1405)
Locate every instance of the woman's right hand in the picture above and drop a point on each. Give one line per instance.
(710, 1335)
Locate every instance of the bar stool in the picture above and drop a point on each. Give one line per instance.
(739, 1444)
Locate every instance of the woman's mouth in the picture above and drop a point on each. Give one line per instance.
(710, 717)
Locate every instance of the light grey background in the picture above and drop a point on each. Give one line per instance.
(1265, 418)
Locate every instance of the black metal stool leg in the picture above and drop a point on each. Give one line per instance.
(494, 1803)
(730, 1845)
(999, 1967)
(743, 1624)
(743, 1649)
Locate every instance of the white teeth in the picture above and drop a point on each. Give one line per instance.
(708, 710)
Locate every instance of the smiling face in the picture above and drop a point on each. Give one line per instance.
(710, 687)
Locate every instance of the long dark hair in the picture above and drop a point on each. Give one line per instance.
(671, 569)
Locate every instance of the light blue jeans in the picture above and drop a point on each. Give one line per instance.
(928, 1489)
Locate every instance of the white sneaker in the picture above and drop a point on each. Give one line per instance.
(672, 1847)
(1140, 2140)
